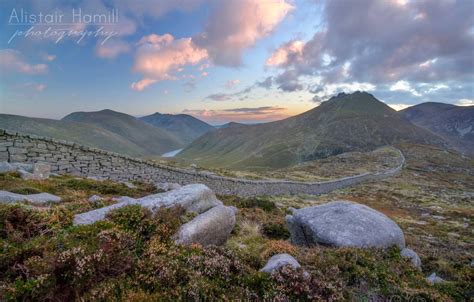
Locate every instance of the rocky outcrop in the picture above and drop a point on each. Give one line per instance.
(193, 198)
(9, 197)
(344, 224)
(278, 261)
(413, 256)
(212, 227)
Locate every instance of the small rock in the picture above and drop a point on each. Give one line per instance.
(129, 185)
(42, 170)
(9, 197)
(95, 198)
(5, 167)
(167, 186)
(26, 175)
(23, 166)
(434, 279)
(277, 261)
(212, 227)
(412, 255)
(344, 224)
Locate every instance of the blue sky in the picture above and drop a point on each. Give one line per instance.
(211, 58)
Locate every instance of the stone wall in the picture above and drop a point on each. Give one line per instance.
(70, 158)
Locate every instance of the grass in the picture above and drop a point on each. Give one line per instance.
(131, 256)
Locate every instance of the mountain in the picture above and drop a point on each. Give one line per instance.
(183, 126)
(230, 124)
(84, 134)
(152, 140)
(346, 122)
(453, 123)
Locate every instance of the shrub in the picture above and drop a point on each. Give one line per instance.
(276, 231)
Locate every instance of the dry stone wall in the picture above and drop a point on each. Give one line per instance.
(71, 158)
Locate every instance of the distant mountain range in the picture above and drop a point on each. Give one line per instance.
(346, 122)
(183, 126)
(453, 123)
(111, 130)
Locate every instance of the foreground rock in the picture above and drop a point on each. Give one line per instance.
(280, 260)
(413, 256)
(193, 198)
(434, 279)
(212, 227)
(9, 197)
(37, 171)
(344, 224)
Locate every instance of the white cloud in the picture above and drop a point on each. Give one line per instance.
(404, 86)
(465, 102)
(399, 107)
(282, 55)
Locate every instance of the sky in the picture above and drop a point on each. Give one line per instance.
(231, 60)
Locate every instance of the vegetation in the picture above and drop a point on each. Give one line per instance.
(131, 256)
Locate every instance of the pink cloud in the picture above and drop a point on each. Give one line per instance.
(160, 57)
(12, 61)
(142, 84)
(112, 49)
(232, 83)
(284, 54)
(245, 115)
(235, 25)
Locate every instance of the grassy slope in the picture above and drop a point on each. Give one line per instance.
(447, 121)
(151, 139)
(131, 257)
(89, 135)
(356, 122)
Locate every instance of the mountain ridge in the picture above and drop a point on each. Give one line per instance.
(346, 122)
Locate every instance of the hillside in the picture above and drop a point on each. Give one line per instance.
(84, 134)
(453, 123)
(347, 122)
(185, 127)
(150, 139)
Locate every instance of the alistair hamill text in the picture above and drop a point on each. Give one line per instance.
(23, 17)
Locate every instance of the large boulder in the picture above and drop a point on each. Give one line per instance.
(5, 167)
(343, 224)
(167, 186)
(277, 261)
(9, 197)
(212, 227)
(12, 167)
(193, 198)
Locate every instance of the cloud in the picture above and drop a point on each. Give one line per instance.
(245, 115)
(267, 83)
(399, 107)
(231, 83)
(383, 43)
(39, 87)
(142, 84)
(161, 57)
(324, 92)
(404, 86)
(12, 61)
(235, 25)
(465, 102)
(220, 97)
(288, 52)
(112, 48)
(49, 58)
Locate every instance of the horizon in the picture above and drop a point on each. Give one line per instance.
(222, 123)
(201, 58)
